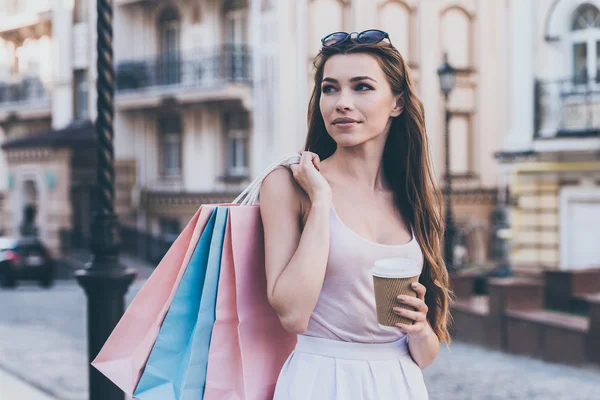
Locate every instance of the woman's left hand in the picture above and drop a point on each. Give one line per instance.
(419, 315)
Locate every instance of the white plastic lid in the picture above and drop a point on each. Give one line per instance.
(396, 268)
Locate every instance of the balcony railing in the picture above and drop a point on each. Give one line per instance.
(29, 93)
(567, 108)
(197, 69)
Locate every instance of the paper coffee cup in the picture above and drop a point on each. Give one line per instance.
(393, 277)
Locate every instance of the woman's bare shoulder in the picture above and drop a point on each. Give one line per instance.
(279, 189)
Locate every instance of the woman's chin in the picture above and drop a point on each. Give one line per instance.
(349, 140)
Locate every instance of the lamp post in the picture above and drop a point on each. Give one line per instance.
(103, 279)
(447, 75)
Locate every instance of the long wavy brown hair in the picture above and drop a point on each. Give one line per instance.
(407, 168)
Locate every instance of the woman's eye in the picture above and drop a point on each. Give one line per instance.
(325, 89)
(363, 85)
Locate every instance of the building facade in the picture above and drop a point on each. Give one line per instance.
(45, 49)
(209, 93)
(551, 151)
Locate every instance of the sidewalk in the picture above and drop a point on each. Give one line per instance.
(12, 388)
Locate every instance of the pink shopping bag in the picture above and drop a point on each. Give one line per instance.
(248, 346)
(125, 353)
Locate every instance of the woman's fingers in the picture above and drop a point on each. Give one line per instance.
(416, 327)
(415, 316)
(418, 304)
(308, 157)
(316, 161)
(420, 289)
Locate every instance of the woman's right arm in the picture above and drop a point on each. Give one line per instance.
(295, 257)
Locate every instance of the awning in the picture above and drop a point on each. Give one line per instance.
(77, 134)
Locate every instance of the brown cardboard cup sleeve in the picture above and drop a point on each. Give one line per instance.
(392, 278)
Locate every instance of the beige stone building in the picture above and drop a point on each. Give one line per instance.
(551, 150)
(211, 92)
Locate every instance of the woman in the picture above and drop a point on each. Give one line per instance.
(364, 190)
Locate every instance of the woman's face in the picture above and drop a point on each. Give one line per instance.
(357, 103)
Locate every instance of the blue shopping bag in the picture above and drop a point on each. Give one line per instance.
(195, 378)
(178, 351)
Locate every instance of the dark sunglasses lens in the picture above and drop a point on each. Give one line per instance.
(371, 37)
(334, 38)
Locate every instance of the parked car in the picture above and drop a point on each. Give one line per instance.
(25, 259)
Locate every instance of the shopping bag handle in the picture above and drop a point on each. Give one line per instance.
(250, 194)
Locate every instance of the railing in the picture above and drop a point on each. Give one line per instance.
(228, 63)
(567, 108)
(144, 245)
(138, 244)
(30, 92)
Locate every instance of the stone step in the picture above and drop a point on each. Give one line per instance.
(549, 335)
(564, 289)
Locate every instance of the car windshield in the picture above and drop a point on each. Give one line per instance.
(7, 243)
(27, 241)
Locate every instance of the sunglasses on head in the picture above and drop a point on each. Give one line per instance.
(370, 36)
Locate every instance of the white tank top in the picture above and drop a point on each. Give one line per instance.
(346, 307)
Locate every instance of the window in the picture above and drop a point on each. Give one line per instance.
(586, 17)
(80, 87)
(236, 36)
(585, 36)
(169, 32)
(170, 134)
(457, 37)
(237, 144)
(326, 16)
(169, 229)
(396, 18)
(236, 22)
(460, 144)
(81, 11)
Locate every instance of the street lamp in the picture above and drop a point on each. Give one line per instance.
(447, 75)
(103, 279)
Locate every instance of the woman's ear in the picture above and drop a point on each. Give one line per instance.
(399, 107)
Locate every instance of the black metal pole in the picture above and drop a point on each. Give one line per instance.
(450, 231)
(104, 280)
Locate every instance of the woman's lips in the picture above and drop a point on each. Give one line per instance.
(346, 125)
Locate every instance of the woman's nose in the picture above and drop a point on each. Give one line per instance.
(344, 102)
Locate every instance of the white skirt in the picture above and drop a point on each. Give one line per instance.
(324, 369)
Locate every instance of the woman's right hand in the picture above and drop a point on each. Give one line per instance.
(307, 175)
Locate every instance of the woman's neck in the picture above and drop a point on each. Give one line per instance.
(360, 166)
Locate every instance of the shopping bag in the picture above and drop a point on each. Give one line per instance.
(176, 355)
(124, 354)
(224, 374)
(264, 343)
(127, 350)
(249, 345)
(195, 377)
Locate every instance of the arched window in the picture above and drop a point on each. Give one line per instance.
(586, 17)
(585, 34)
(396, 18)
(170, 132)
(457, 36)
(325, 17)
(169, 28)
